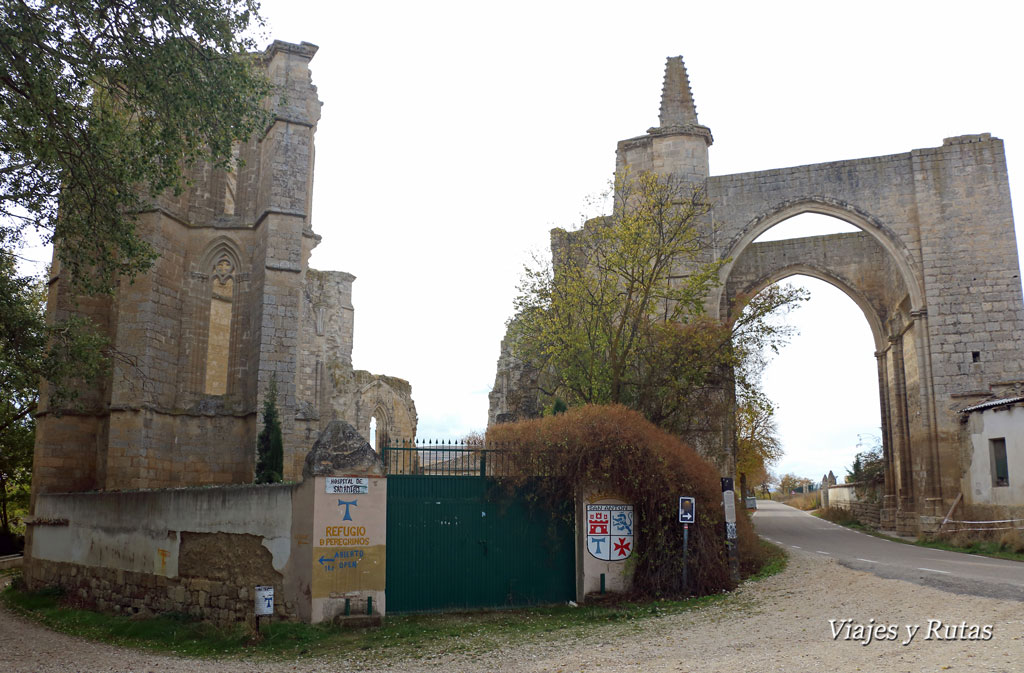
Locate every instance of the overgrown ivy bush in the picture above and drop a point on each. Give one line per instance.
(616, 449)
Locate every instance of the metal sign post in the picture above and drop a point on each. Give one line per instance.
(687, 515)
(686, 544)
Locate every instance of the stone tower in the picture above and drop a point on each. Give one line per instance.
(679, 145)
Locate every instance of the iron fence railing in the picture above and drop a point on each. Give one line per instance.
(451, 459)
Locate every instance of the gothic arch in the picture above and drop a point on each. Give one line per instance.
(841, 210)
(876, 270)
(218, 248)
(874, 321)
(384, 425)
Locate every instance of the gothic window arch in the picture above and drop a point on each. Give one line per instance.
(219, 314)
(382, 437)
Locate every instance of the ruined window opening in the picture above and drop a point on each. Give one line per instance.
(975, 356)
(373, 432)
(218, 345)
(321, 320)
(1000, 469)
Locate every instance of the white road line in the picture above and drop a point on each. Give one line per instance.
(867, 560)
(795, 547)
(931, 570)
(823, 552)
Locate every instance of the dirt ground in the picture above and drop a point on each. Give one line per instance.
(779, 624)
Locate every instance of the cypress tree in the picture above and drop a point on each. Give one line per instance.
(270, 443)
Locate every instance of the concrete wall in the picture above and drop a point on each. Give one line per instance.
(842, 495)
(194, 550)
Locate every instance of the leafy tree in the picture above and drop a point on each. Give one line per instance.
(617, 314)
(767, 482)
(585, 316)
(270, 442)
(32, 350)
(103, 104)
(789, 483)
(757, 441)
(868, 469)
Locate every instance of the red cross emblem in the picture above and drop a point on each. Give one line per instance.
(622, 547)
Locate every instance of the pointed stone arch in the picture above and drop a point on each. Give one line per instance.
(801, 269)
(217, 288)
(820, 205)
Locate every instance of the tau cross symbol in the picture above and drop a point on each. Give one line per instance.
(353, 503)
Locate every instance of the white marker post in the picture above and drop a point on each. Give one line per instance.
(263, 597)
(729, 504)
(687, 515)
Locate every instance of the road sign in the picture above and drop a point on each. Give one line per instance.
(687, 510)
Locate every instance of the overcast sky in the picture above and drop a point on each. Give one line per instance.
(456, 135)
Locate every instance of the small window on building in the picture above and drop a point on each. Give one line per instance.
(1000, 470)
(975, 356)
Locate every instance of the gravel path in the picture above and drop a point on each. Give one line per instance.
(779, 624)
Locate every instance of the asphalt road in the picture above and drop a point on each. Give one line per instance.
(799, 532)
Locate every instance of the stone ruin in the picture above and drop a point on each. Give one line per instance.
(933, 267)
(229, 304)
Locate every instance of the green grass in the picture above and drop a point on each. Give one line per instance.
(981, 548)
(400, 637)
(991, 548)
(775, 561)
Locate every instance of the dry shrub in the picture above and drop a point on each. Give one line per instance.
(804, 501)
(964, 538)
(615, 448)
(840, 515)
(1012, 540)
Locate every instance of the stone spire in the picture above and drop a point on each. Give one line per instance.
(677, 108)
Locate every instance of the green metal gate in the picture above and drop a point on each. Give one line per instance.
(455, 540)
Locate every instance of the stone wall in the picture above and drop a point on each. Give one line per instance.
(515, 395)
(844, 496)
(144, 594)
